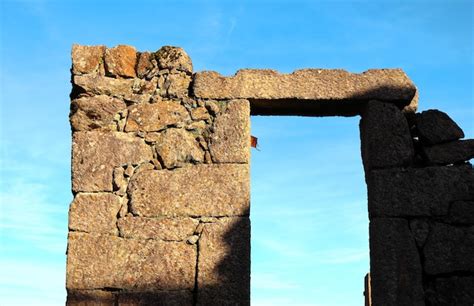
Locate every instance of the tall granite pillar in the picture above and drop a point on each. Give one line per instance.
(160, 179)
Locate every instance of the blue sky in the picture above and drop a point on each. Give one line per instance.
(309, 211)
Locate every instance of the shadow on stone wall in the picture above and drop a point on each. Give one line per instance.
(320, 108)
(222, 278)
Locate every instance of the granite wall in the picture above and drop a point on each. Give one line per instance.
(160, 177)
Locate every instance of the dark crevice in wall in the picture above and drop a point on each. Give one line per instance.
(196, 277)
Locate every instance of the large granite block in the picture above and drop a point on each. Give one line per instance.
(385, 137)
(94, 213)
(196, 190)
(96, 112)
(230, 142)
(450, 152)
(395, 269)
(103, 261)
(434, 126)
(224, 263)
(96, 154)
(451, 290)
(326, 90)
(418, 191)
(449, 249)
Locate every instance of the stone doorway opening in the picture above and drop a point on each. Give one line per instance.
(308, 211)
(161, 179)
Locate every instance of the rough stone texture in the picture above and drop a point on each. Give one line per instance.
(130, 298)
(90, 297)
(147, 66)
(96, 261)
(94, 213)
(132, 90)
(454, 290)
(87, 59)
(96, 154)
(169, 229)
(434, 126)
(420, 229)
(170, 57)
(161, 298)
(461, 212)
(395, 269)
(155, 117)
(449, 249)
(330, 86)
(224, 263)
(200, 113)
(176, 147)
(97, 112)
(121, 61)
(211, 190)
(419, 191)
(230, 142)
(385, 137)
(411, 108)
(177, 85)
(450, 152)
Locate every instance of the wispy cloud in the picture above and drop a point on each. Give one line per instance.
(261, 280)
(30, 217)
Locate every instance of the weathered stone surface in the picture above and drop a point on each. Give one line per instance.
(330, 88)
(169, 229)
(121, 61)
(176, 147)
(90, 297)
(435, 127)
(211, 190)
(156, 116)
(96, 154)
(177, 85)
(395, 267)
(99, 261)
(449, 249)
(97, 112)
(450, 152)
(94, 213)
(87, 59)
(230, 142)
(461, 212)
(147, 66)
(170, 57)
(420, 229)
(418, 192)
(454, 290)
(161, 298)
(224, 263)
(199, 113)
(385, 137)
(411, 108)
(133, 90)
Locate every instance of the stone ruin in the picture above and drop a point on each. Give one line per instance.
(160, 177)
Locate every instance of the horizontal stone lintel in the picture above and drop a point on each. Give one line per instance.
(309, 92)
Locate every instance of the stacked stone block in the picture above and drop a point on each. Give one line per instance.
(160, 179)
(421, 207)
